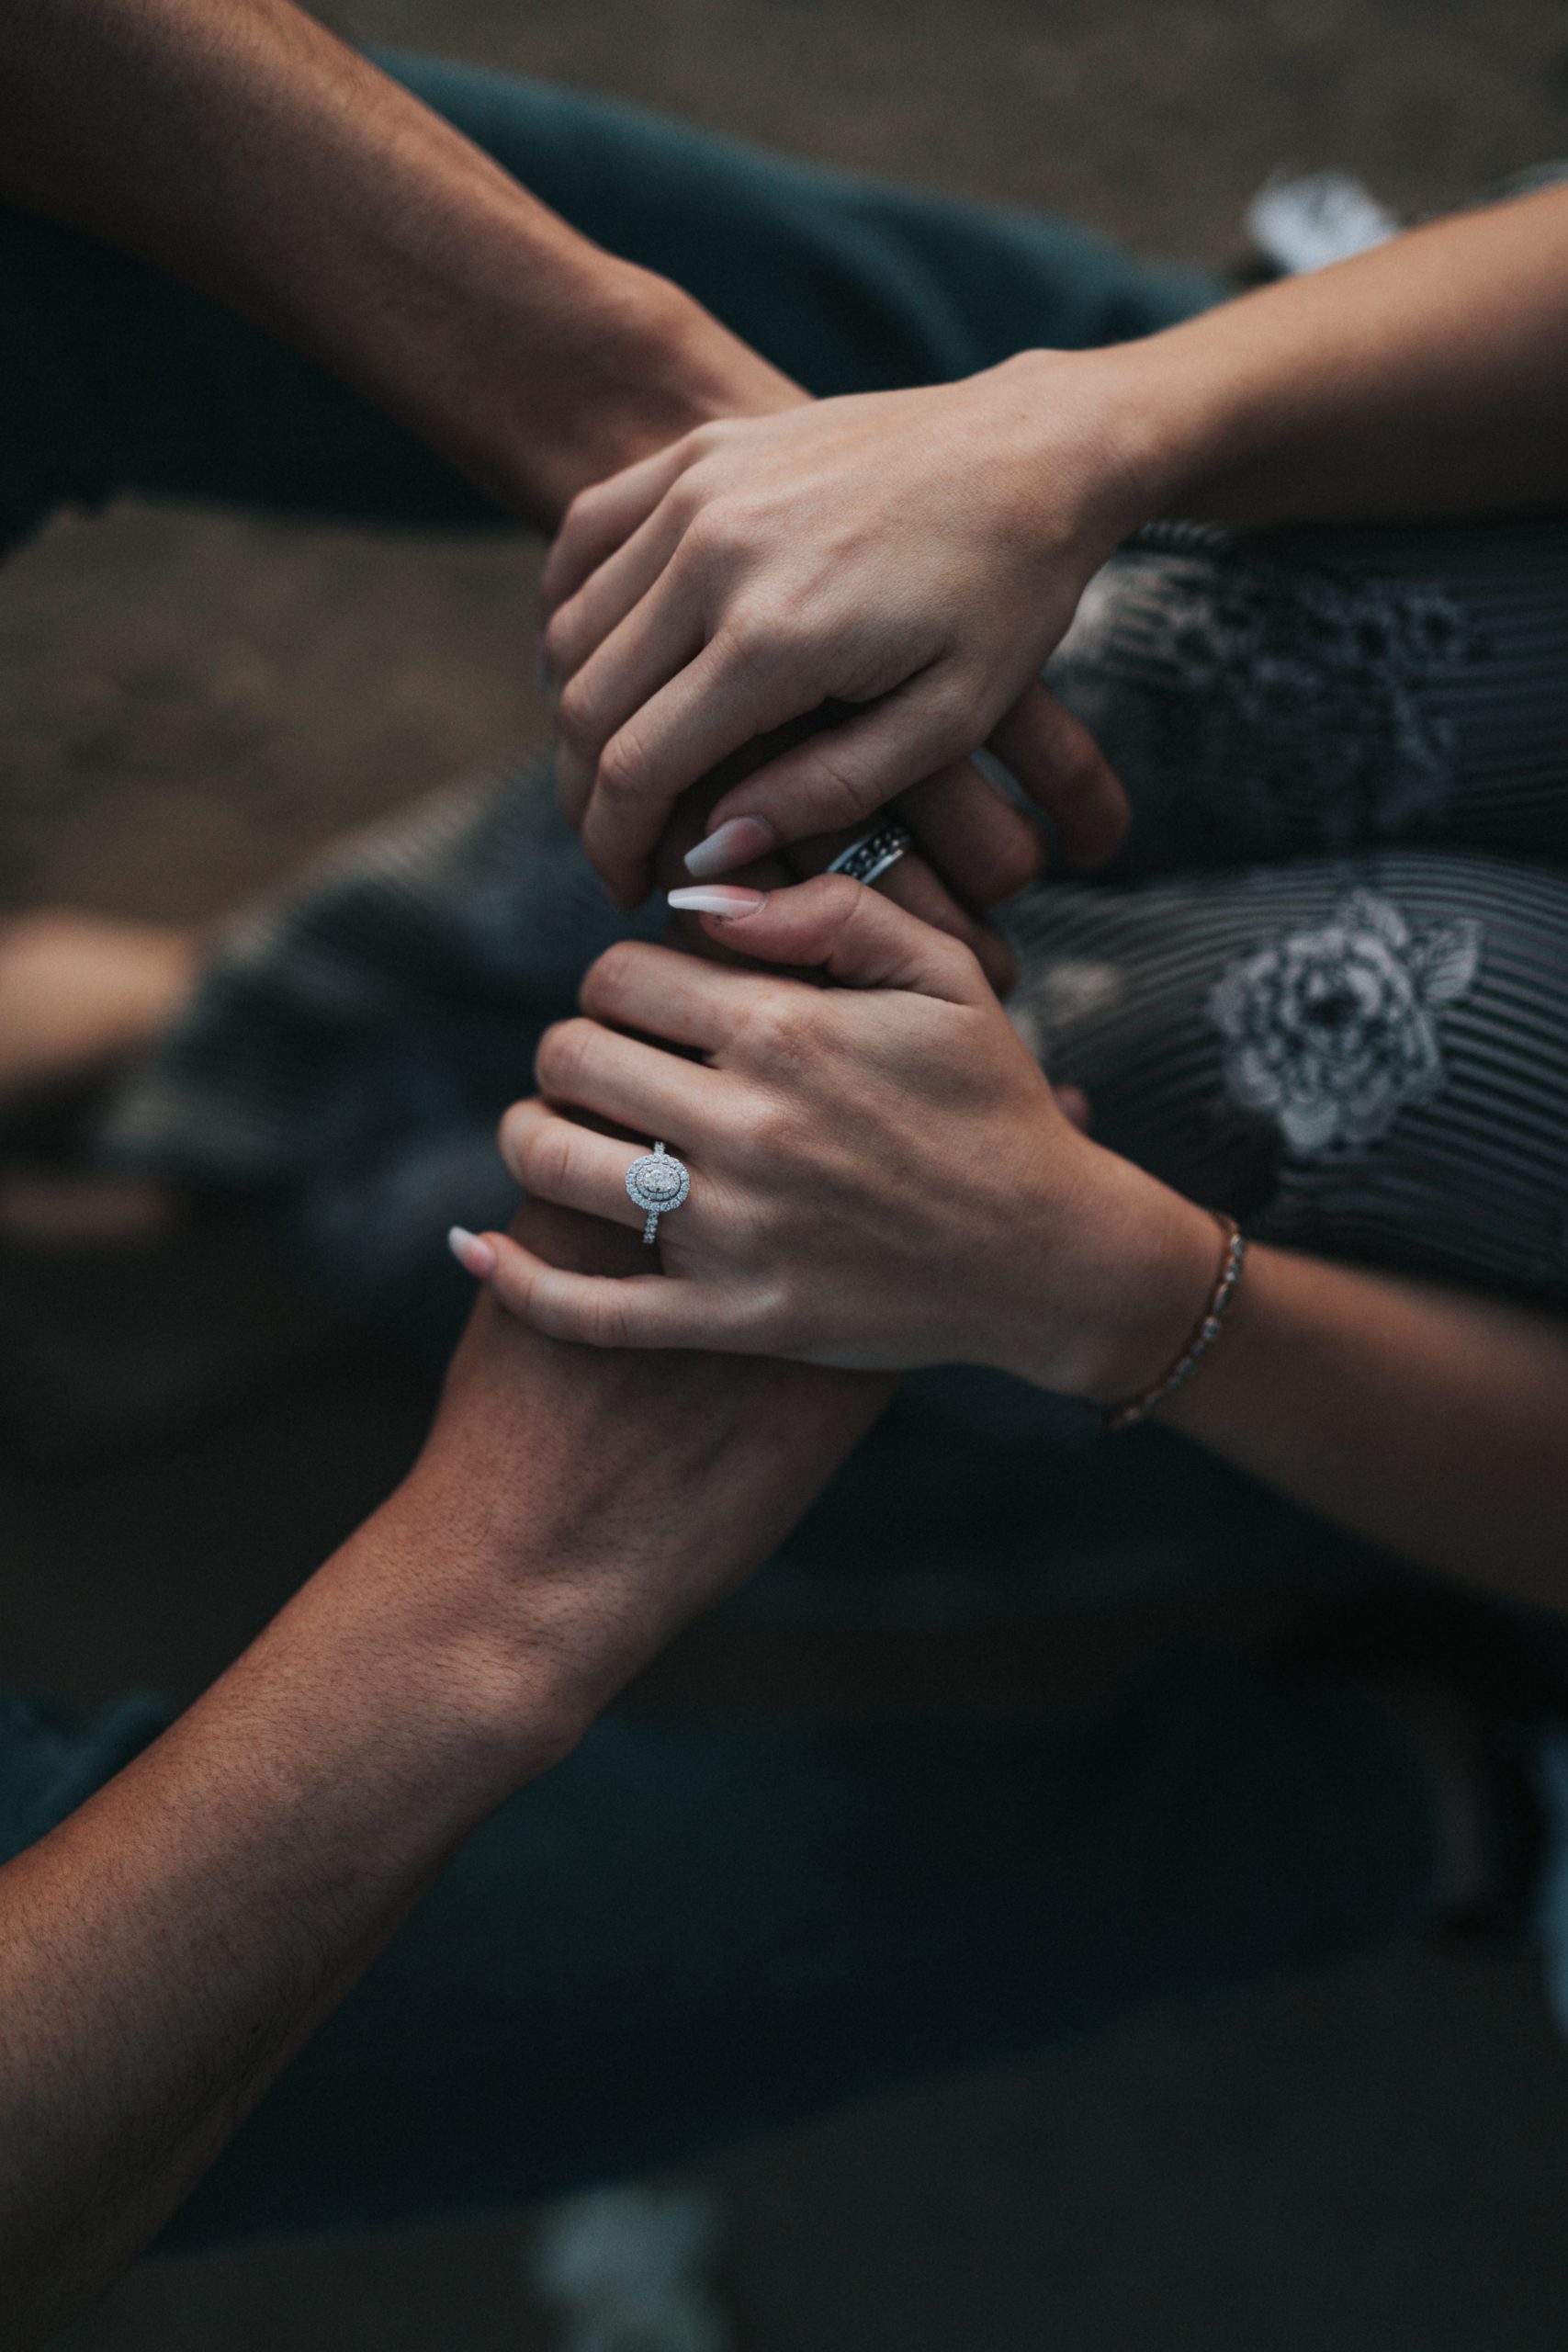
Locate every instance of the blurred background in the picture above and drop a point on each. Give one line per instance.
(192, 701)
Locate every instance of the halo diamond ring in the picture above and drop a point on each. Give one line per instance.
(657, 1183)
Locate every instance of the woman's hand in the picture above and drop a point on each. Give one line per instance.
(881, 1177)
(917, 553)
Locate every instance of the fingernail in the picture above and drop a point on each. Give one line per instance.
(735, 844)
(475, 1257)
(727, 900)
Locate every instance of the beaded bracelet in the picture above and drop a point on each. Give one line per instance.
(1209, 1325)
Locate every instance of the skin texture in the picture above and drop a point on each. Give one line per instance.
(920, 553)
(172, 1944)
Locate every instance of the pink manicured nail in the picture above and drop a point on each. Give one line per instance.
(735, 844)
(474, 1256)
(727, 900)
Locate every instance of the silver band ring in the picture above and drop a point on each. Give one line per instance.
(657, 1183)
(874, 851)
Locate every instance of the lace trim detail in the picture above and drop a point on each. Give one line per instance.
(1301, 696)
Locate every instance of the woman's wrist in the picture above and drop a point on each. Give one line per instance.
(1120, 431)
(1108, 1318)
(1181, 423)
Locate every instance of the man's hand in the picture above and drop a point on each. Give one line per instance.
(627, 1499)
(172, 1944)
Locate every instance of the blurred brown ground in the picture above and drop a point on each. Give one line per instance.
(193, 700)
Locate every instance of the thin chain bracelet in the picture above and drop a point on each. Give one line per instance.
(1211, 1323)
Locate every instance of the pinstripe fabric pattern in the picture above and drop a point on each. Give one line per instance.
(1363, 1053)
(1463, 1174)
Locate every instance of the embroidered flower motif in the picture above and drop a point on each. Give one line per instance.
(1294, 703)
(1333, 1032)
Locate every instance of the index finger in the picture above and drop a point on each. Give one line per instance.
(601, 518)
(712, 708)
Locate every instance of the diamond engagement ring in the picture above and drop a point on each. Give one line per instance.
(874, 851)
(657, 1183)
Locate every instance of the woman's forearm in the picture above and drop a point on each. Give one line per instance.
(1426, 379)
(1433, 1421)
(239, 145)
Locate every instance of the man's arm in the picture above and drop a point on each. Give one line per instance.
(240, 146)
(167, 1948)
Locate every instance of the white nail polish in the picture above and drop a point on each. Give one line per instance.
(736, 842)
(474, 1256)
(728, 900)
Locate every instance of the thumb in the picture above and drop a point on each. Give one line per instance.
(841, 928)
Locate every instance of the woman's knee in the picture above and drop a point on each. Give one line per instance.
(1366, 1057)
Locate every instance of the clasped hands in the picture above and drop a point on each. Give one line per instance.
(881, 1177)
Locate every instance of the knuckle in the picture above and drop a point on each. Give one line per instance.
(775, 1030)
(551, 1158)
(707, 440)
(625, 771)
(560, 634)
(603, 1323)
(761, 636)
(841, 790)
(965, 969)
(511, 1134)
(1012, 865)
(718, 530)
(782, 1313)
(562, 1056)
(583, 510)
(774, 1138)
(611, 973)
(1076, 762)
(747, 639)
(840, 898)
(576, 712)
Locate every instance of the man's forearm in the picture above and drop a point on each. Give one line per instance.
(240, 146)
(1425, 380)
(169, 1947)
